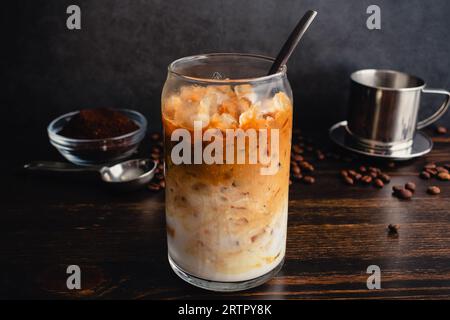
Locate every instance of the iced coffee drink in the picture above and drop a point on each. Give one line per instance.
(227, 152)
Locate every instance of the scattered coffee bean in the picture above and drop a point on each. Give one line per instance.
(433, 190)
(396, 189)
(441, 169)
(378, 183)
(358, 176)
(344, 173)
(373, 174)
(366, 179)
(309, 179)
(162, 184)
(425, 175)
(352, 173)
(362, 169)
(444, 176)
(385, 178)
(155, 136)
(155, 156)
(306, 166)
(393, 229)
(298, 158)
(432, 172)
(411, 186)
(296, 170)
(404, 194)
(349, 181)
(430, 165)
(154, 186)
(290, 182)
(156, 149)
(441, 130)
(373, 169)
(296, 148)
(297, 176)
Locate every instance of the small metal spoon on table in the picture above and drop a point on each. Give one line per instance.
(127, 175)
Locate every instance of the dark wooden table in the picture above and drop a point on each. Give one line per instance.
(335, 232)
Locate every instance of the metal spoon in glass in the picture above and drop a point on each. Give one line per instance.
(130, 174)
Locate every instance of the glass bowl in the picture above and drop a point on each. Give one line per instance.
(88, 152)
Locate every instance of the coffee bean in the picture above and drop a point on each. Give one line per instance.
(393, 229)
(296, 170)
(433, 190)
(298, 158)
(306, 166)
(430, 165)
(441, 169)
(385, 178)
(309, 179)
(404, 194)
(432, 172)
(397, 188)
(362, 169)
(374, 169)
(154, 186)
(358, 176)
(155, 156)
(425, 175)
(156, 150)
(444, 176)
(411, 186)
(351, 173)
(366, 179)
(290, 182)
(296, 148)
(320, 156)
(373, 174)
(348, 181)
(344, 173)
(297, 176)
(162, 184)
(441, 130)
(378, 183)
(155, 136)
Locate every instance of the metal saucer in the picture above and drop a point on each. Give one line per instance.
(340, 135)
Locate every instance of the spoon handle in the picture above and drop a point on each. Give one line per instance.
(56, 167)
(292, 41)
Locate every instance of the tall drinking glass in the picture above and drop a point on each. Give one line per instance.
(227, 140)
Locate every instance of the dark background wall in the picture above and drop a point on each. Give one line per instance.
(120, 55)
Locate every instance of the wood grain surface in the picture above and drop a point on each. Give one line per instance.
(335, 232)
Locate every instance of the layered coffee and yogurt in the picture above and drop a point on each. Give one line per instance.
(226, 221)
